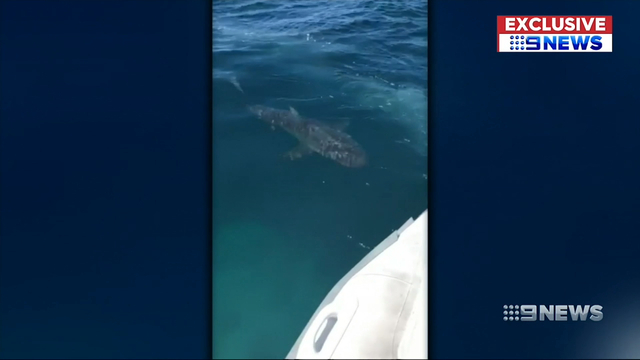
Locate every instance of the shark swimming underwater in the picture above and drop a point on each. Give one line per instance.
(329, 141)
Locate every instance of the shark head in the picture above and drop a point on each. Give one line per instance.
(353, 158)
(357, 159)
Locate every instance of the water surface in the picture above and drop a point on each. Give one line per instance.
(286, 231)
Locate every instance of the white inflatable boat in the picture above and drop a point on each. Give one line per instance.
(378, 310)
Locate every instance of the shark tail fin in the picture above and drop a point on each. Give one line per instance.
(235, 83)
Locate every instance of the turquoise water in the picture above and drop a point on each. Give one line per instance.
(286, 231)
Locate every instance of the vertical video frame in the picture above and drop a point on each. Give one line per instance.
(319, 179)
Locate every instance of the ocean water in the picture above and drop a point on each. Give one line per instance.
(286, 231)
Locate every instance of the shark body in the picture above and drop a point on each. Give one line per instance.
(314, 136)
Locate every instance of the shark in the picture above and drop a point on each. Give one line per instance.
(327, 140)
(234, 81)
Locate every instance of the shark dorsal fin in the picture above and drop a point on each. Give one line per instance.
(293, 111)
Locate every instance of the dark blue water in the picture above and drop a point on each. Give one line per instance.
(286, 231)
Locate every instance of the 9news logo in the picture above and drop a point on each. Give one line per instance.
(555, 34)
(552, 312)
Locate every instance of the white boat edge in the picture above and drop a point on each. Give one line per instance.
(378, 310)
